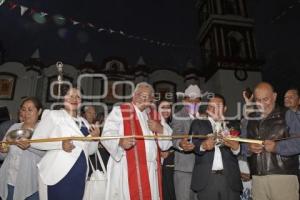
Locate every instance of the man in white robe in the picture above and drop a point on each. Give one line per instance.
(119, 185)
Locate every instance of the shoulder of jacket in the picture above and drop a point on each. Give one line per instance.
(201, 122)
(181, 112)
(53, 113)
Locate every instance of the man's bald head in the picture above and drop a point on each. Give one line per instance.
(264, 86)
(265, 97)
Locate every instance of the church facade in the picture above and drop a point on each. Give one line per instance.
(229, 65)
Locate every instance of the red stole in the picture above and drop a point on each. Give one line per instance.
(138, 177)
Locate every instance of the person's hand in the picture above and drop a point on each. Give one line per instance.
(164, 154)
(234, 145)
(4, 148)
(208, 144)
(270, 146)
(155, 126)
(94, 130)
(68, 146)
(255, 148)
(186, 145)
(246, 99)
(245, 177)
(23, 144)
(127, 143)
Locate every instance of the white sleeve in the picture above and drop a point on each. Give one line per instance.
(45, 130)
(113, 126)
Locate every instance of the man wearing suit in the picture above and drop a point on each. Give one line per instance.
(185, 158)
(216, 174)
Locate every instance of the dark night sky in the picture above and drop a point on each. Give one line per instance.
(173, 21)
(279, 41)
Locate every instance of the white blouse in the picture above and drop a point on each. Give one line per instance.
(19, 169)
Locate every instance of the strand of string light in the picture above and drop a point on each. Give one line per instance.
(285, 11)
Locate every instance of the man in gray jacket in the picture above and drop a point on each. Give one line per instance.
(184, 157)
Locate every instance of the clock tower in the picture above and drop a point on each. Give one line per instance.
(226, 37)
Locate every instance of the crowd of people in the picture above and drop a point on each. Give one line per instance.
(158, 150)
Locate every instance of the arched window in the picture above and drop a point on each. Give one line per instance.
(236, 45)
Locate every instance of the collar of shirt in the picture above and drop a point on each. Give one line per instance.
(216, 126)
(138, 111)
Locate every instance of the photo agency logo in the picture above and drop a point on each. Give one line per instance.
(97, 91)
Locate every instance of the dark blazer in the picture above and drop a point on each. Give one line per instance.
(204, 160)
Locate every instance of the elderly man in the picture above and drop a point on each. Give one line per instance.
(185, 158)
(292, 116)
(133, 167)
(292, 99)
(274, 176)
(89, 113)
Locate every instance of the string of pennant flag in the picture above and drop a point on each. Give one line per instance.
(285, 11)
(25, 10)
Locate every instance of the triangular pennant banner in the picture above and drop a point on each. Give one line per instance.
(2, 2)
(75, 22)
(101, 29)
(23, 10)
(91, 25)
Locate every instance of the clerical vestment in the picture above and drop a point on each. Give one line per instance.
(132, 174)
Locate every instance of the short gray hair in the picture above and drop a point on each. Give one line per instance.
(143, 85)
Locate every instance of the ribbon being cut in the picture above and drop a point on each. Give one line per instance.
(232, 136)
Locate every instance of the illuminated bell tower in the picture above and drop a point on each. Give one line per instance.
(226, 37)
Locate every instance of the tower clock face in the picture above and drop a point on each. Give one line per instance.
(240, 74)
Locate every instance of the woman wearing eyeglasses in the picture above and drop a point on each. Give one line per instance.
(63, 169)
